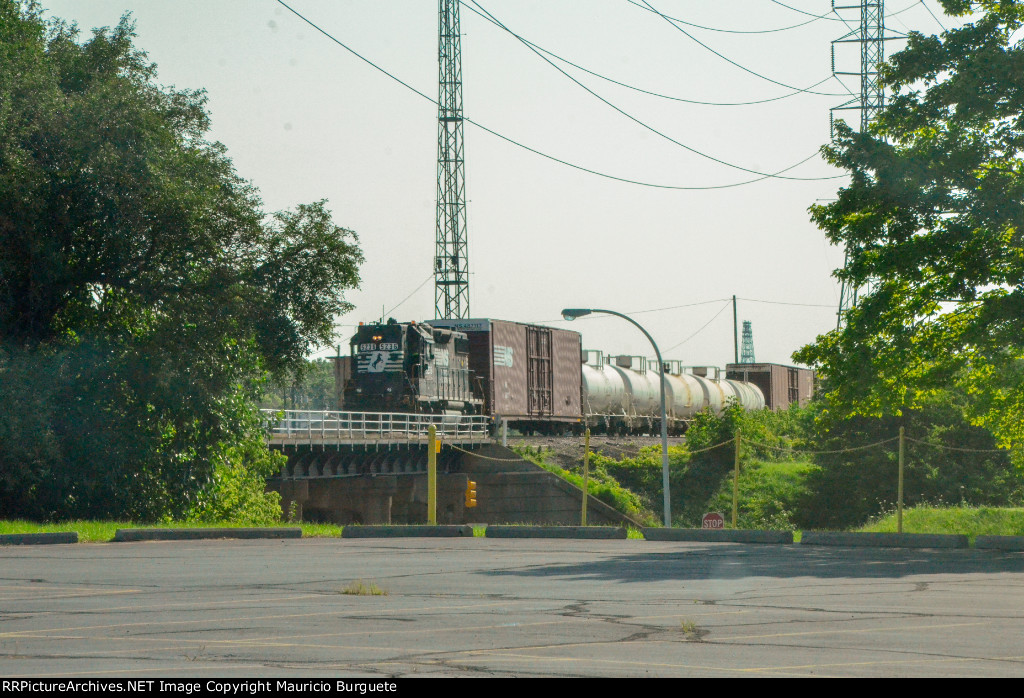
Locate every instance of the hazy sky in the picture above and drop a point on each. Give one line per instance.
(304, 119)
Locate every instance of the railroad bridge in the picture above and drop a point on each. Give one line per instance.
(345, 444)
(371, 468)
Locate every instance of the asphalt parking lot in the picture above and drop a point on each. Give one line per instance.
(492, 607)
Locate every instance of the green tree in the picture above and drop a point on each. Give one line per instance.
(144, 293)
(933, 218)
(947, 461)
(309, 387)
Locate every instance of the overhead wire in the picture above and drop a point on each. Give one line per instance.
(778, 174)
(833, 19)
(677, 307)
(410, 295)
(809, 14)
(933, 16)
(804, 305)
(605, 175)
(734, 31)
(731, 61)
(650, 92)
(695, 304)
(702, 327)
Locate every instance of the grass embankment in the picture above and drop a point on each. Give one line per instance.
(600, 485)
(969, 521)
(103, 531)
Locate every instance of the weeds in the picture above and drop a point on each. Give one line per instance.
(361, 588)
(691, 630)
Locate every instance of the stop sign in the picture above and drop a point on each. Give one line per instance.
(713, 520)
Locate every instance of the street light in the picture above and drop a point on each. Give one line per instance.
(572, 314)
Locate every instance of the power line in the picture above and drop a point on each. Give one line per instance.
(726, 58)
(625, 180)
(400, 303)
(650, 92)
(640, 312)
(934, 17)
(805, 305)
(702, 327)
(824, 16)
(695, 304)
(834, 19)
(677, 307)
(733, 31)
(650, 128)
(512, 141)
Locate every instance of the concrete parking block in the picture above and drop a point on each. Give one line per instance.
(124, 535)
(1000, 542)
(587, 532)
(884, 540)
(729, 535)
(39, 538)
(407, 531)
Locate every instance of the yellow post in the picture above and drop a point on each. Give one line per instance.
(899, 490)
(586, 475)
(432, 445)
(736, 480)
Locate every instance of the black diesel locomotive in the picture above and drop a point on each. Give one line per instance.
(408, 367)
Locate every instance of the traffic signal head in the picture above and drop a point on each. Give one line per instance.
(470, 494)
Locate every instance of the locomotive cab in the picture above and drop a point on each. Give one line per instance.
(401, 367)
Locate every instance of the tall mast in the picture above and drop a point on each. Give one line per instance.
(451, 261)
(870, 34)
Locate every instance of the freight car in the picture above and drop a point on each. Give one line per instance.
(623, 395)
(781, 385)
(528, 375)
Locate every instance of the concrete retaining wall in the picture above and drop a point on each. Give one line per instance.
(509, 490)
(381, 499)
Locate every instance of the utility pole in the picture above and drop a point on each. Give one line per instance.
(451, 263)
(870, 34)
(735, 334)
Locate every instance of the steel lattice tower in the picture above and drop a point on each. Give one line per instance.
(451, 262)
(870, 34)
(747, 352)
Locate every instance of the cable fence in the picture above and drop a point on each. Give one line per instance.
(894, 445)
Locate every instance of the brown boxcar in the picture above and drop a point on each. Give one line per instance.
(782, 385)
(525, 373)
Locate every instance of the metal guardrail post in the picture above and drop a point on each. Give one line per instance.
(899, 485)
(432, 476)
(586, 476)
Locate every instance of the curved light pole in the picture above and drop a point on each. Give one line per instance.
(572, 314)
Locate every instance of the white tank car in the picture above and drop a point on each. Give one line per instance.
(621, 394)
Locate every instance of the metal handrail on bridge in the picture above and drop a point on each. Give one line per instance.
(287, 426)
